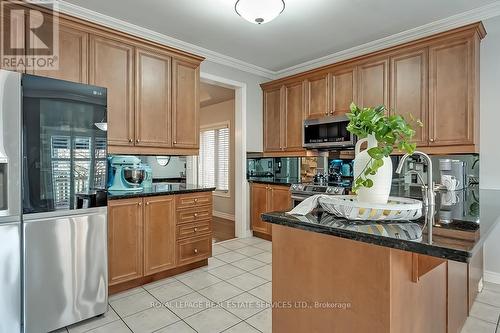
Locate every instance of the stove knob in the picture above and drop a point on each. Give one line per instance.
(336, 190)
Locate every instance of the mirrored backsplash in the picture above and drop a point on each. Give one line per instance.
(166, 168)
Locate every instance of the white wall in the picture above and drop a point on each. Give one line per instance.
(490, 120)
(254, 100)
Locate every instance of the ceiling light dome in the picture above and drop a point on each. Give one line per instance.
(259, 11)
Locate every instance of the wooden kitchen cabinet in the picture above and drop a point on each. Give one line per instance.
(317, 96)
(373, 83)
(273, 138)
(125, 240)
(343, 89)
(159, 234)
(153, 114)
(267, 198)
(453, 89)
(112, 66)
(185, 103)
(409, 90)
(73, 52)
(294, 116)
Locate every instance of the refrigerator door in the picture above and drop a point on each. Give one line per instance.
(10, 277)
(65, 151)
(65, 269)
(10, 146)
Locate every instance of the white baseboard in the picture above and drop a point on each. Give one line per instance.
(223, 215)
(492, 277)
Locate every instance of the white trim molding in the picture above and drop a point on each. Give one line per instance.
(455, 21)
(225, 216)
(493, 277)
(452, 22)
(114, 23)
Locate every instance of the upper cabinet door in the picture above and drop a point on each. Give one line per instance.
(272, 119)
(317, 96)
(73, 53)
(343, 90)
(409, 90)
(185, 103)
(451, 92)
(373, 78)
(112, 67)
(153, 116)
(14, 26)
(294, 115)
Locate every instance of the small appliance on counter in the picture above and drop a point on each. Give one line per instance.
(128, 174)
(453, 171)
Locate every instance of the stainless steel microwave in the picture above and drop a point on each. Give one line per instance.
(328, 132)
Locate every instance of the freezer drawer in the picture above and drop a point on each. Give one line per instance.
(10, 277)
(65, 270)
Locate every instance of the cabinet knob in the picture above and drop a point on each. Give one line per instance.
(195, 200)
(147, 203)
(195, 214)
(195, 229)
(432, 140)
(130, 140)
(139, 204)
(175, 142)
(195, 250)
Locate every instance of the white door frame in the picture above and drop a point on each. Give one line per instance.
(241, 190)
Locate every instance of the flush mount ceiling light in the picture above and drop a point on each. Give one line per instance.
(259, 11)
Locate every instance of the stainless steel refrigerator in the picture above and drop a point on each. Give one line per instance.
(59, 192)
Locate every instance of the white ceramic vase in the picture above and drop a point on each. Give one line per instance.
(382, 180)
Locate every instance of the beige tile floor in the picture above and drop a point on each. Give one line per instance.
(231, 295)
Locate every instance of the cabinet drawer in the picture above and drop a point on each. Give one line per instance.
(194, 249)
(194, 199)
(194, 229)
(194, 214)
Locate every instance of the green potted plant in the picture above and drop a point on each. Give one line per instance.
(372, 166)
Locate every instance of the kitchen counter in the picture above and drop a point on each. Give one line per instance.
(274, 181)
(458, 230)
(160, 189)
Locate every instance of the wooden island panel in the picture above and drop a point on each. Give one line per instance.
(368, 288)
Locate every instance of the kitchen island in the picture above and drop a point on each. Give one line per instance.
(335, 275)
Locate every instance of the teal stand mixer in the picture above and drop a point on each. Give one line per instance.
(128, 175)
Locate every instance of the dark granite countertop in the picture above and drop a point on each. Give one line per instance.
(274, 181)
(159, 189)
(461, 225)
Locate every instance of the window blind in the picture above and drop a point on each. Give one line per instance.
(213, 168)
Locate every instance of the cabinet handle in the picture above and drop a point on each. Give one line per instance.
(195, 250)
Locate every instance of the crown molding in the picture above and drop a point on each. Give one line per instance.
(455, 21)
(114, 23)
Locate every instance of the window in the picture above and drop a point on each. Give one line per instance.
(213, 167)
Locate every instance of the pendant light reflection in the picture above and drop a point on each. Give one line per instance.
(259, 11)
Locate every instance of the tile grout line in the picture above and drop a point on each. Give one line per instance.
(119, 316)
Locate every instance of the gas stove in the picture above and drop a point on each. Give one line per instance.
(300, 192)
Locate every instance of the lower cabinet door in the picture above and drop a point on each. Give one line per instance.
(194, 249)
(259, 205)
(125, 235)
(159, 234)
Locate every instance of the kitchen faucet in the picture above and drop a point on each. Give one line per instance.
(430, 195)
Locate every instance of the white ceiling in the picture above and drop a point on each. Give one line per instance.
(306, 30)
(211, 94)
